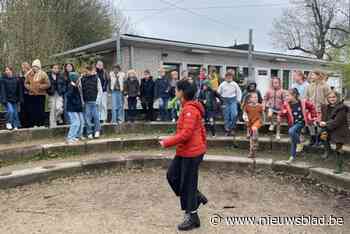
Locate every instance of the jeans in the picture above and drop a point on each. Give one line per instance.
(294, 135)
(12, 115)
(77, 125)
(163, 109)
(132, 104)
(117, 107)
(230, 113)
(56, 109)
(102, 107)
(182, 177)
(92, 118)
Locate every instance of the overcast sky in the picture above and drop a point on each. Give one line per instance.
(224, 26)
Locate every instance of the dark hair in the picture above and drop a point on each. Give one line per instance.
(294, 92)
(65, 72)
(53, 65)
(117, 66)
(189, 90)
(147, 72)
(10, 68)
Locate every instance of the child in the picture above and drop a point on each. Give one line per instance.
(298, 113)
(56, 93)
(132, 91)
(335, 122)
(301, 83)
(117, 86)
(202, 76)
(92, 93)
(190, 141)
(253, 111)
(11, 92)
(74, 109)
(147, 95)
(174, 103)
(174, 106)
(214, 78)
(208, 99)
(231, 94)
(316, 93)
(274, 99)
(162, 93)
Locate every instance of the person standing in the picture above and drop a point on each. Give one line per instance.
(191, 145)
(301, 83)
(334, 122)
(11, 92)
(37, 83)
(208, 98)
(214, 78)
(132, 91)
(68, 67)
(24, 107)
(231, 94)
(162, 93)
(104, 79)
(172, 105)
(147, 95)
(74, 109)
(92, 92)
(56, 93)
(117, 88)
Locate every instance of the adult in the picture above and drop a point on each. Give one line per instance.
(37, 83)
(68, 68)
(24, 107)
(104, 79)
(117, 87)
(147, 95)
(56, 93)
(162, 93)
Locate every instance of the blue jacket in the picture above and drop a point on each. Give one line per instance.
(162, 88)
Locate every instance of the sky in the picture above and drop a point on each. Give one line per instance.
(224, 22)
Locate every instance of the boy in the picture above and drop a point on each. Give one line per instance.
(147, 95)
(162, 93)
(191, 145)
(231, 94)
(208, 99)
(92, 92)
(56, 93)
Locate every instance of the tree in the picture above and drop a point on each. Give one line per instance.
(312, 27)
(32, 29)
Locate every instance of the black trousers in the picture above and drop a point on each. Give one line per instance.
(24, 112)
(147, 106)
(182, 176)
(36, 110)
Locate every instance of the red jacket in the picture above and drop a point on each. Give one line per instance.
(308, 109)
(190, 138)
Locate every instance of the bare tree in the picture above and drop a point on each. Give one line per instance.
(312, 27)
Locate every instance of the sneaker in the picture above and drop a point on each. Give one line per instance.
(90, 137)
(9, 126)
(300, 148)
(71, 142)
(82, 138)
(290, 160)
(278, 137)
(15, 129)
(174, 120)
(191, 221)
(272, 128)
(97, 134)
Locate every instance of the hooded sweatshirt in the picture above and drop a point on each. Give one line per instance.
(190, 138)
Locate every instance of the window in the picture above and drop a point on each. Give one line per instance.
(275, 72)
(217, 69)
(286, 78)
(262, 72)
(193, 70)
(169, 67)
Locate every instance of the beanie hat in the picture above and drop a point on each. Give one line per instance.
(73, 76)
(36, 63)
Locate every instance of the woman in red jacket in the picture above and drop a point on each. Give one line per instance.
(298, 113)
(191, 145)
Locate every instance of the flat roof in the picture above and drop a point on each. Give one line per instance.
(128, 39)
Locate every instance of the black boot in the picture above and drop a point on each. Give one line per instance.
(191, 221)
(202, 200)
(339, 164)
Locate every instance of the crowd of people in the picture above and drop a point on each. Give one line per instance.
(80, 99)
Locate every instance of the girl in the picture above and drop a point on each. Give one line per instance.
(231, 94)
(316, 93)
(253, 111)
(12, 94)
(298, 113)
(191, 145)
(68, 67)
(335, 123)
(208, 98)
(274, 99)
(300, 83)
(74, 109)
(24, 107)
(132, 91)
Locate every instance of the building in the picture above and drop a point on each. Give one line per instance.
(142, 53)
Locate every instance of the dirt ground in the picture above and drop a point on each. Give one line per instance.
(142, 202)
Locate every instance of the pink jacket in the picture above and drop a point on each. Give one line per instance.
(274, 98)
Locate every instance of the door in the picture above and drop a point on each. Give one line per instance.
(262, 79)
